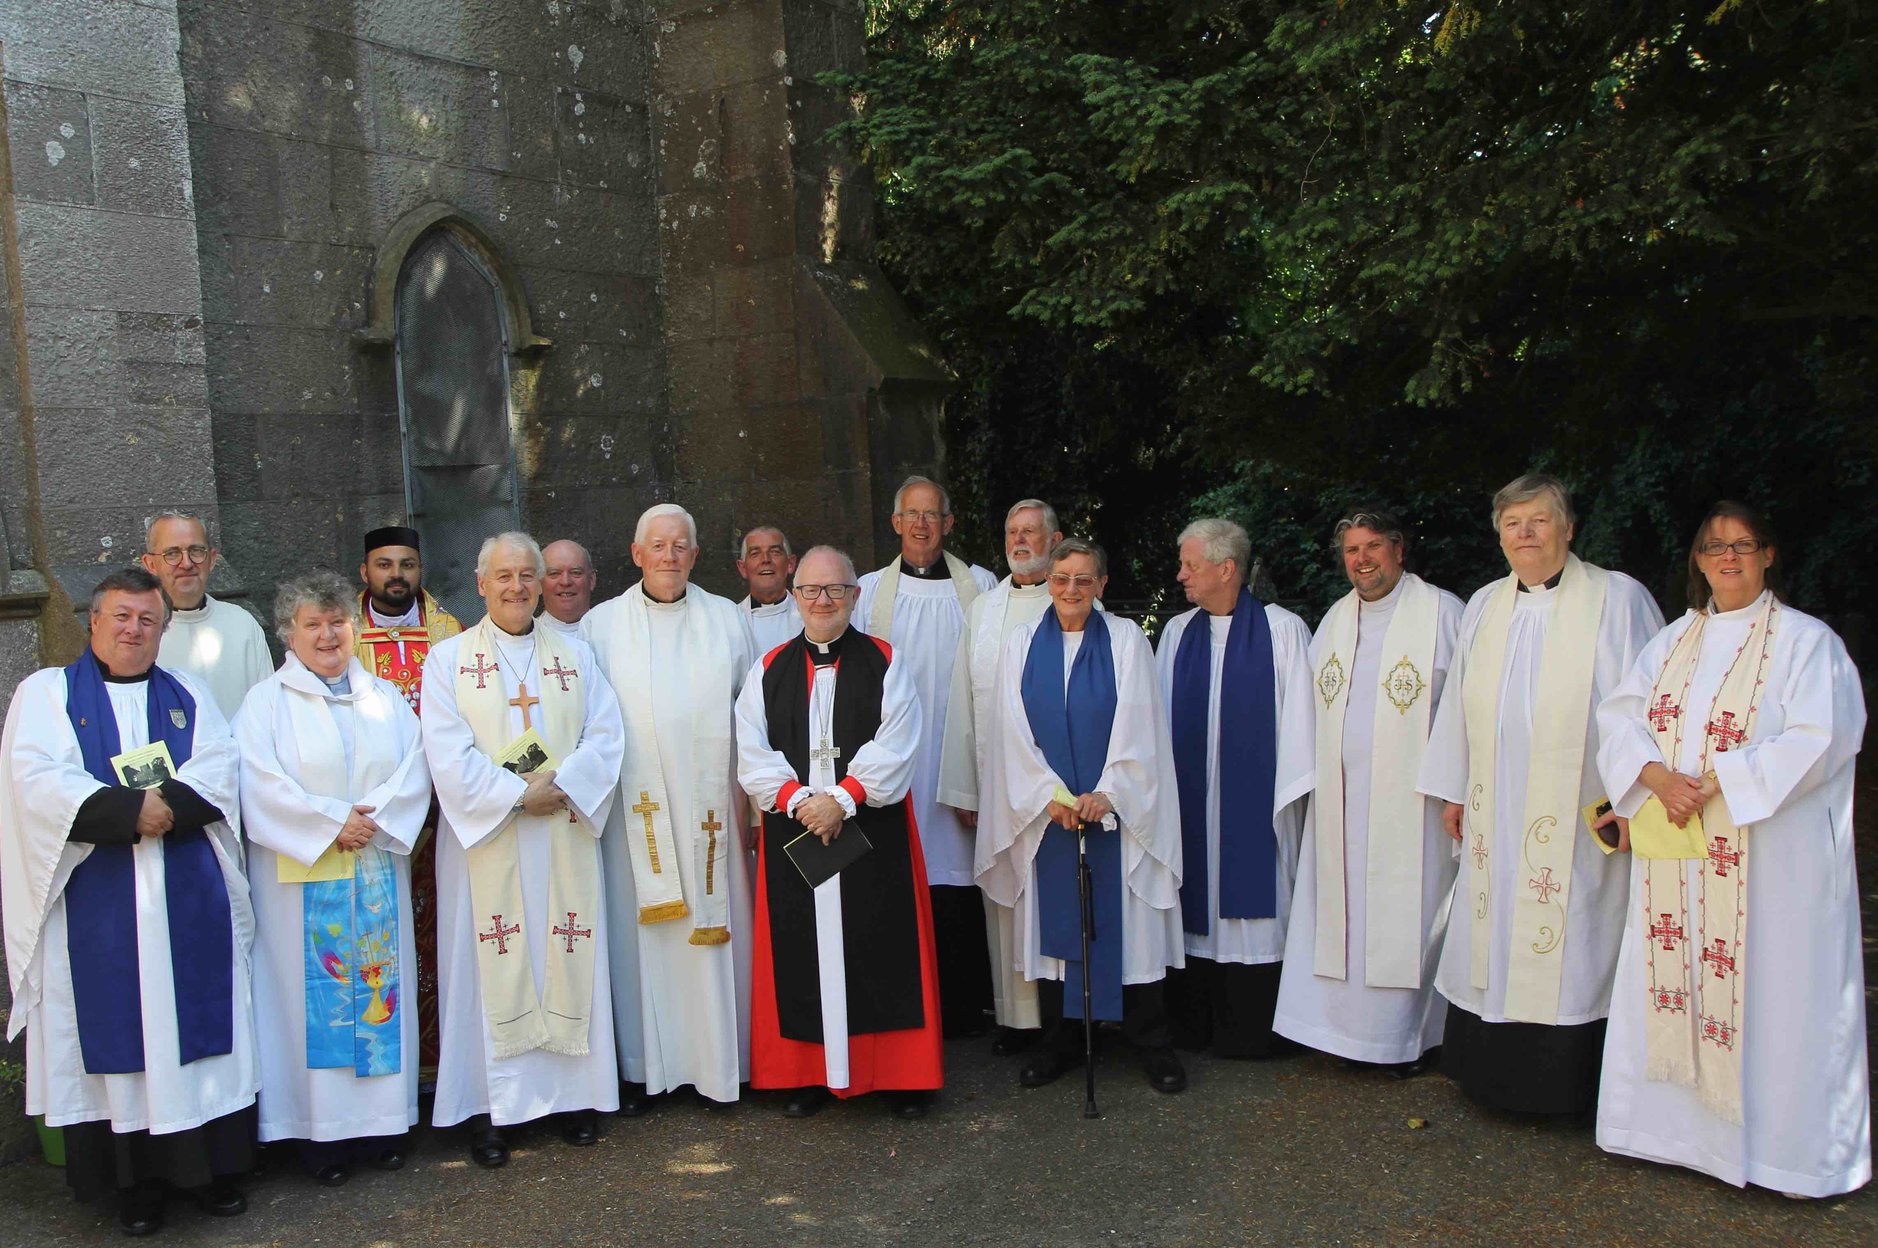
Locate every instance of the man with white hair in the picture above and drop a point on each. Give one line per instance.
(677, 877)
(524, 743)
(766, 565)
(918, 604)
(1538, 910)
(1031, 532)
(567, 587)
(217, 642)
(1238, 684)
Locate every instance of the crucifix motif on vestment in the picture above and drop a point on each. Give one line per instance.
(710, 827)
(645, 808)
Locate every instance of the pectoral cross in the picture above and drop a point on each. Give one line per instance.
(710, 827)
(645, 807)
(559, 674)
(826, 754)
(480, 672)
(522, 701)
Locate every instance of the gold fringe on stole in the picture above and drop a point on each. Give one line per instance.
(664, 911)
(711, 936)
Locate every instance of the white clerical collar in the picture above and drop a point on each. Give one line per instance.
(767, 608)
(296, 675)
(559, 626)
(409, 617)
(1739, 613)
(1384, 604)
(193, 615)
(934, 569)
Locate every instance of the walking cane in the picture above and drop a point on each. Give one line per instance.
(1087, 892)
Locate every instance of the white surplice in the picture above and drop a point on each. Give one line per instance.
(884, 767)
(681, 1011)
(1347, 1017)
(962, 760)
(1249, 941)
(46, 783)
(475, 797)
(560, 627)
(384, 756)
(927, 621)
(772, 624)
(1137, 777)
(220, 645)
(1805, 1089)
(1595, 899)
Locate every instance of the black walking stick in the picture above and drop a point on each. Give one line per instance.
(1085, 888)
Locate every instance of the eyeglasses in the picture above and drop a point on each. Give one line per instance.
(930, 517)
(834, 593)
(1746, 546)
(1063, 580)
(174, 555)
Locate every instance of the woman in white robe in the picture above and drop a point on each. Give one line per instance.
(1804, 1100)
(333, 772)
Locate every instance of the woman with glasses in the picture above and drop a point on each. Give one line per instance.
(1737, 1028)
(334, 790)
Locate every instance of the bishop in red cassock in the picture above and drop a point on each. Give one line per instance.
(845, 990)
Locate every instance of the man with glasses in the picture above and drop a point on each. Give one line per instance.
(918, 604)
(845, 992)
(216, 642)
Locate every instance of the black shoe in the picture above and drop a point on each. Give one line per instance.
(222, 1199)
(1165, 1073)
(578, 1128)
(1047, 1066)
(334, 1175)
(908, 1104)
(807, 1102)
(390, 1159)
(633, 1100)
(139, 1210)
(486, 1146)
(1408, 1070)
(1010, 1041)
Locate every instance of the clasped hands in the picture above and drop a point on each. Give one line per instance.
(1682, 796)
(822, 815)
(1089, 808)
(155, 817)
(542, 796)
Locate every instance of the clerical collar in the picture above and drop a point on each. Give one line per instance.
(1551, 583)
(394, 621)
(340, 684)
(109, 679)
(925, 574)
(758, 606)
(823, 653)
(190, 615)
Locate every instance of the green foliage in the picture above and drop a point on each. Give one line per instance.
(1310, 252)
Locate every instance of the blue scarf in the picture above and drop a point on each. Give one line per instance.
(101, 900)
(1248, 767)
(1072, 729)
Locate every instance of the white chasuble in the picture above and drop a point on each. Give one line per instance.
(771, 624)
(680, 950)
(1138, 778)
(543, 868)
(1789, 983)
(962, 761)
(922, 619)
(1253, 941)
(220, 645)
(1536, 918)
(308, 755)
(1359, 668)
(45, 783)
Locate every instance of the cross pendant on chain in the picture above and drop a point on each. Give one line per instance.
(826, 754)
(522, 701)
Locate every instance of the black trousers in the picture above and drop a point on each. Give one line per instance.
(964, 957)
(1226, 1008)
(1144, 1016)
(316, 1155)
(100, 1162)
(1528, 1068)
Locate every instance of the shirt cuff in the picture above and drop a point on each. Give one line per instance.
(788, 796)
(845, 796)
(855, 790)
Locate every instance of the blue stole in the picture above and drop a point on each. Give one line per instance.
(1072, 729)
(101, 900)
(1248, 767)
(351, 969)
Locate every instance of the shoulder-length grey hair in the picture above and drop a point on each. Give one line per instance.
(323, 591)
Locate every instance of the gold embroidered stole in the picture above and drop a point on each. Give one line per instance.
(887, 592)
(1392, 890)
(1696, 980)
(518, 1022)
(1547, 827)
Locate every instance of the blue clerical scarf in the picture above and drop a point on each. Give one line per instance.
(1248, 767)
(101, 900)
(1072, 729)
(351, 969)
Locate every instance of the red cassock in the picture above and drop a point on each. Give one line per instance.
(879, 1058)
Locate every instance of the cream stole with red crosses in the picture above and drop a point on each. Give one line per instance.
(518, 1022)
(1696, 977)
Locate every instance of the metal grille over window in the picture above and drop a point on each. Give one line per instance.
(453, 404)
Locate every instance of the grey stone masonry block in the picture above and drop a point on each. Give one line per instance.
(574, 306)
(265, 281)
(737, 41)
(159, 337)
(580, 452)
(822, 37)
(83, 258)
(239, 176)
(142, 153)
(327, 457)
(759, 136)
(73, 357)
(602, 140)
(249, 73)
(49, 132)
(265, 368)
(127, 50)
(424, 107)
(138, 457)
(592, 378)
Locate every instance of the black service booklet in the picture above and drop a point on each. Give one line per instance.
(820, 863)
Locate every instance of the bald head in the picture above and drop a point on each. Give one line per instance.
(567, 586)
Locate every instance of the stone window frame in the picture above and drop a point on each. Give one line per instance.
(380, 330)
